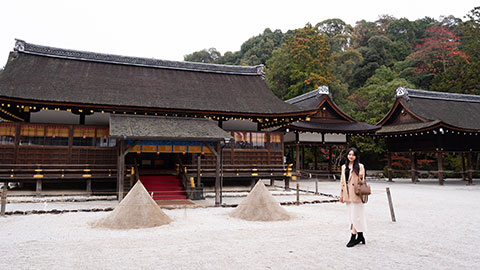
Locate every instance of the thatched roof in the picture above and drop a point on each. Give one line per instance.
(47, 74)
(419, 110)
(165, 128)
(328, 117)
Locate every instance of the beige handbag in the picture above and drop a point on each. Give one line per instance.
(363, 190)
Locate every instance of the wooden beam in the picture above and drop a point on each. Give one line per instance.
(129, 147)
(440, 167)
(211, 149)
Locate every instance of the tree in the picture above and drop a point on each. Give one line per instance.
(462, 75)
(337, 33)
(204, 56)
(435, 53)
(376, 54)
(300, 64)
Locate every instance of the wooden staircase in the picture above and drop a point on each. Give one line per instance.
(164, 187)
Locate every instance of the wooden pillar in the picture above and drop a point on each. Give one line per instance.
(389, 158)
(413, 158)
(199, 168)
(440, 167)
(218, 198)
(4, 199)
(464, 176)
(315, 158)
(121, 169)
(470, 167)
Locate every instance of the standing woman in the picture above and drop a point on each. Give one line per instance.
(352, 174)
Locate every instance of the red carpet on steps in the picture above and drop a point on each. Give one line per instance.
(164, 187)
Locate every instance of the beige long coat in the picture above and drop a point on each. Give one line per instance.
(350, 196)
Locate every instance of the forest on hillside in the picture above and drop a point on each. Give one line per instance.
(364, 64)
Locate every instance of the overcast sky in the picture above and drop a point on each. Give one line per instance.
(171, 29)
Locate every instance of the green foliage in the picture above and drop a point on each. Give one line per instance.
(300, 64)
(337, 33)
(375, 55)
(376, 97)
(204, 56)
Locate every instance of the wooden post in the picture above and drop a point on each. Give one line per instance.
(38, 190)
(297, 152)
(89, 186)
(389, 157)
(199, 167)
(464, 177)
(316, 187)
(440, 167)
(121, 169)
(315, 159)
(392, 213)
(4, 199)
(298, 194)
(470, 167)
(218, 198)
(413, 158)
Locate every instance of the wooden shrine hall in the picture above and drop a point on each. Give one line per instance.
(328, 126)
(428, 121)
(74, 115)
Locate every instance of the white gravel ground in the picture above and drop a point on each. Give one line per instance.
(436, 228)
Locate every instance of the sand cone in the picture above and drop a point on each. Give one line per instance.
(260, 205)
(136, 210)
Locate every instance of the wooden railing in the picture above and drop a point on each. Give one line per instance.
(242, 171)
(34, 172)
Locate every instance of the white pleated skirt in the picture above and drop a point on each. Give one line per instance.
(357, 216)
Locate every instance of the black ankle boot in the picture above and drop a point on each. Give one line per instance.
(360, 238)
(352, 241)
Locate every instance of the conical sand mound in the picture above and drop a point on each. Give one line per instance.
(260, 205)
(137, 210)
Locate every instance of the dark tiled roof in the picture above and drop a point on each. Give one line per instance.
(345, 127)
(310, 100)
(48, 74)
(458, 110)
(403, 128)
(165, 128)
(343, 124)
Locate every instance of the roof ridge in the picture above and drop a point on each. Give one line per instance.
(321, 90)
(29, 48)
(417, 93)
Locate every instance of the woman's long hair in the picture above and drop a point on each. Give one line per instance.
(356, 162)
